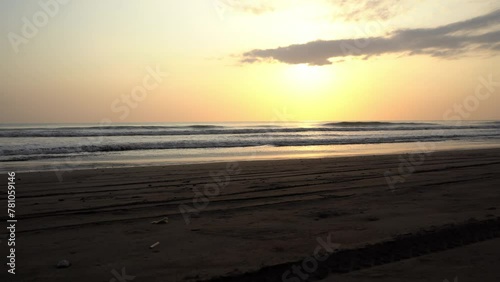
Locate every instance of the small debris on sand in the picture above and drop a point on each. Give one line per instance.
(161, 221)
(63, 264)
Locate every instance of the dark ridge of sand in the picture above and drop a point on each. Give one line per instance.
(271, 213)
(400, 248)
(476, 262)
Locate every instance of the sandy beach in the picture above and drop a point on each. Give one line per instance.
(239, 220)
(250, 141)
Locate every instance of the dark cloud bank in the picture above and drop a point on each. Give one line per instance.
(480, 34)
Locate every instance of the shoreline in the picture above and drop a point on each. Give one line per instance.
(371, 152)
(266, 213)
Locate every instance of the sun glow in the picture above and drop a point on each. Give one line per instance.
(308, 79)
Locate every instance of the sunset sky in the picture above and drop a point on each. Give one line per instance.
(243, 60)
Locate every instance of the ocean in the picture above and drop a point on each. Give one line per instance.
(37, 147)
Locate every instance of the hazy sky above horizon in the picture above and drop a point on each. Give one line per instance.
(246, 60)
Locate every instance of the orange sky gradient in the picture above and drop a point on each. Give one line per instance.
(224, 60)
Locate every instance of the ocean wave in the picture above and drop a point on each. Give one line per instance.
(37, 157)
(220, 130)
(376, 123)
(202, 126)
(492, 122)
(118, 127)
(24, 153)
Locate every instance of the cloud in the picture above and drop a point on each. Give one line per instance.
(366, 9)
(344, 9)
(255, 7)
(480, 34)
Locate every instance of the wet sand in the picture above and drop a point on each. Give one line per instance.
(256, 214)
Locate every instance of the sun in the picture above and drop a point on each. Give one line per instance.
(308, 78)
